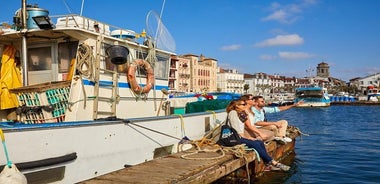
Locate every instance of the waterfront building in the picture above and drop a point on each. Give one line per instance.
(370, 80)
(277, 83)
(259, 83)
(203, 73)
(323, 70)
(179, 79)
(289, 84)
(230, 80)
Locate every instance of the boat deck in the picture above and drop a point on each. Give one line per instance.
(196, 166)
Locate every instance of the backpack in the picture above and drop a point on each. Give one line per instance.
(228, 136)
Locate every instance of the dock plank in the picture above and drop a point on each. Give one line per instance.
(174, 169)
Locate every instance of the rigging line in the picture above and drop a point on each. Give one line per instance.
(67, 6)
(154, 131)
(144, 134)
(159, 23)
(162, 8)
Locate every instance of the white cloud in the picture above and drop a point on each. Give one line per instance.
(294, 55)
(231, 47)
(267, 57)
(278, 15)
(287, 14)
(292, 39)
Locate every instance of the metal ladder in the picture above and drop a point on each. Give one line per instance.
(114, 99)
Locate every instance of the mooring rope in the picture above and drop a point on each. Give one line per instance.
(155, 131)
(182, 124)
(296, 130)
(238, 151)
(186, 156)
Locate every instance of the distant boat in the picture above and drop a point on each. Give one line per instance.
(312, 96)
(281, 99)
(280, 103)
(373, 93)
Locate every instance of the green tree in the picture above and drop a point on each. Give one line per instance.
(263, 88)
(246, 88)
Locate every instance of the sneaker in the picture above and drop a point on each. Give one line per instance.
(281, 166)
(280, 140)
(287, 139)
(271, 168)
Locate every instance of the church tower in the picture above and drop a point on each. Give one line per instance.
(323, 70)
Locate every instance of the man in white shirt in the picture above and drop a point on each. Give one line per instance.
(278, 127)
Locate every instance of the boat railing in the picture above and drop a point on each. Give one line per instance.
(81, 22)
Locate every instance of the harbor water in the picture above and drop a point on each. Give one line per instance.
(342, 146)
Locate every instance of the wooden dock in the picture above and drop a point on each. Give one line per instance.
(196, 166)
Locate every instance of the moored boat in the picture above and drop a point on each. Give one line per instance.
(80, 100)
(312, 96)
(373, 93)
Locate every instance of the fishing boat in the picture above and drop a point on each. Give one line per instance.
(312, 96)
(81, 98)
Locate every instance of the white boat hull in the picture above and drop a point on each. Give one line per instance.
(314, 104)
(104, 147)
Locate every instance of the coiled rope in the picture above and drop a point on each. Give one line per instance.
(84, 66)
(85, 60)
(238, 151)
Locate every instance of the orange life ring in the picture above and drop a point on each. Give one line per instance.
(132, 77)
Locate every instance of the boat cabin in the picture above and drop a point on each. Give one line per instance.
(98, 68)
(314, 92)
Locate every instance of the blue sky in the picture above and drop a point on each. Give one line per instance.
(283, 37)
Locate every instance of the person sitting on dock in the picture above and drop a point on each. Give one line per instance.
(236, 112)
(266, 135)
(278, 127)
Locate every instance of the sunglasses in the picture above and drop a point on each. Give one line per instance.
(243, 104)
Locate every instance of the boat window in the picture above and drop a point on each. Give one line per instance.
(309, 93)
(39, 58)
(161, 67)
(66, 54)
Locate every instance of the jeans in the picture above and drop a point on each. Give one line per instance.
(259, 146)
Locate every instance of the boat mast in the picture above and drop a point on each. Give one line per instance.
(81, 8)
(24, 29)
(310, 77)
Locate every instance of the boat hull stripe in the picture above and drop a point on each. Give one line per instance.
(120, 84)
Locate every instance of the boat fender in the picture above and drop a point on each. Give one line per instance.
(11, 175)
(131, 76)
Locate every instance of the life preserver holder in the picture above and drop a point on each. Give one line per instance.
(131, 76)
